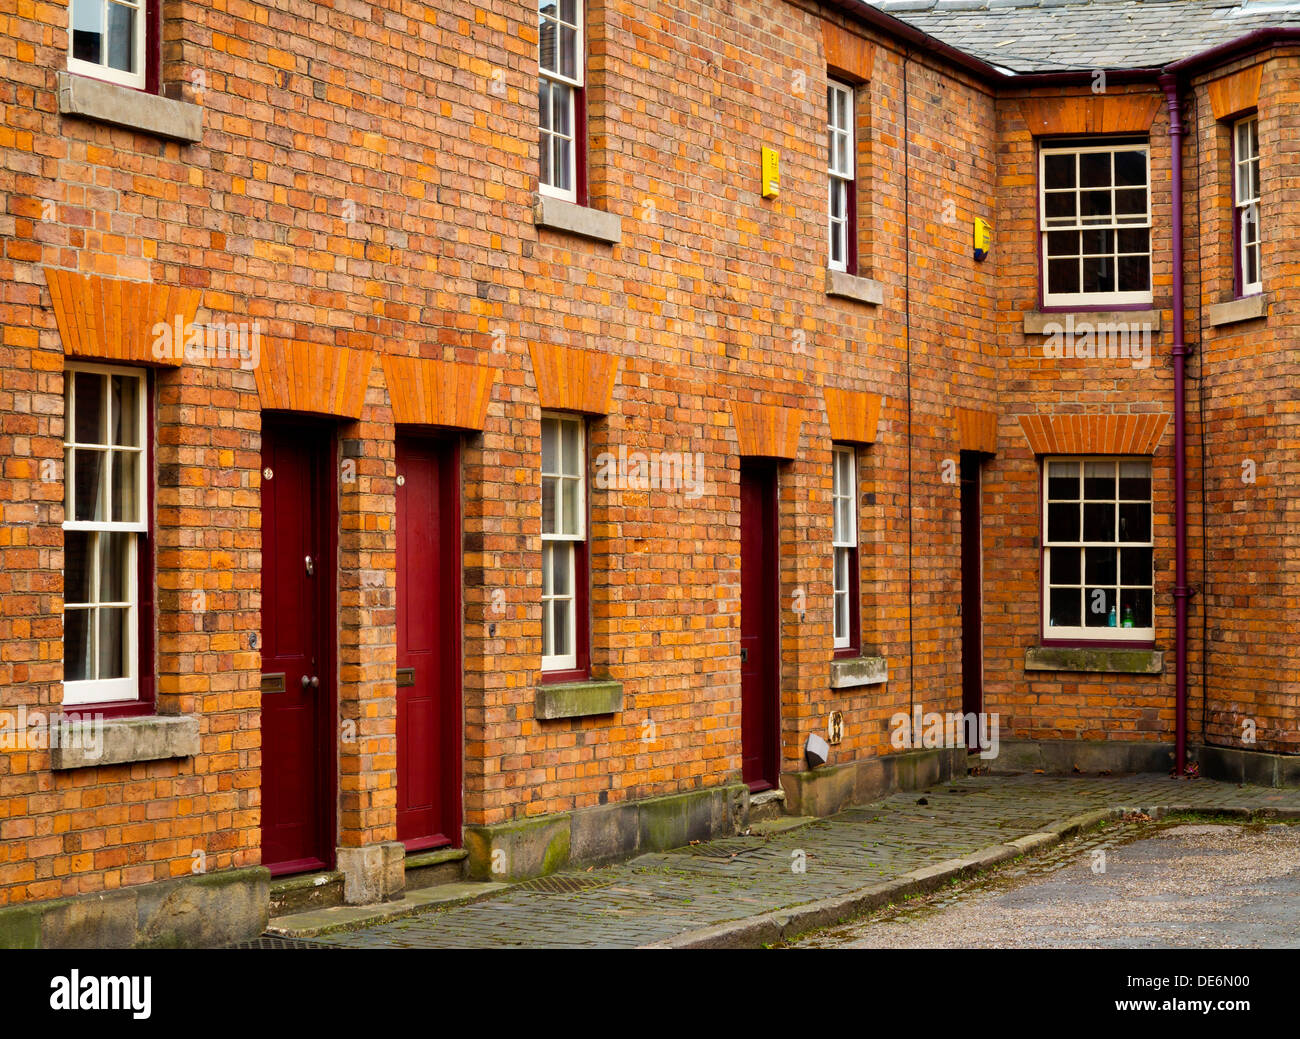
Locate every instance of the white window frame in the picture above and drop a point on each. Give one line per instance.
(108, 690)
(570, 85)
(840, 175)
(553, 542)
(1114, 224)
(1098, 633)
(102, 70)
(1245, 198)
(844, 541)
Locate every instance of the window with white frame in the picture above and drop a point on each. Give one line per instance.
(845, 536)
(106, 39)
(1246, 199)
(1097, 559)
(841, 167)
(104, 522)
(1095, 220)
(563, 538)
(560, 65)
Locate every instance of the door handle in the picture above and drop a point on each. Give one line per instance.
(311, 566)
(744, 656)
(313, 682)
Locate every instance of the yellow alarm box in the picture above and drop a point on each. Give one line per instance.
(771, 173)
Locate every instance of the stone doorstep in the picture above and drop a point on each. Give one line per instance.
(781, 924)
(426, 869)
(314, 923)
(770, 804)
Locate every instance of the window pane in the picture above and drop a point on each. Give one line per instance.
(1063, 275)
(843, 519)
(114, 567)
(841, 616)
(561, 554)
(121, 37)
(1135, 480)
(1065, 608)
(569, 52)
(569, 517)
(569, 11)
(126, 505)
(560, 97)
(1098, 522)
(1100, 602)
(87, 30)
(1099, 481)
(1134, 274)
(550, 445)
(1094, 170)
(1134, 240)
(546, 37)
(549, 492)
(1135, 566)
(76, 566)
(1094, 204)
(562, 164)
(1060, 205)
(1063, 566)
(1135, 522)
(544, 106)
(1058, 171)
(571, 439)
(1132, 201)
(1063, 243)
(124, 407)
(1063, 480)
(1098, 243)
(1135, 607)
(1098, 274)
(1100, 565)
(1062, 522)
(89, 485)
(112, 643)
(77, 646)
(88, 406)
(563, 633)
(548, 550)
(548, 629)
(1130, 168)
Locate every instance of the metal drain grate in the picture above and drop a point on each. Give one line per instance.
(565, 883)
(271, 941)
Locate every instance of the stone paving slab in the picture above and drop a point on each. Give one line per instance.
(657, 898)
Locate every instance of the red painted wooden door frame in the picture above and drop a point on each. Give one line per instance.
(299, 520)
(760, 649)
(429, 727)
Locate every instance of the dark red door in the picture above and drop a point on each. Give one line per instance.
(428, 641)
(972, 570)
(760, 657)
(297, 669)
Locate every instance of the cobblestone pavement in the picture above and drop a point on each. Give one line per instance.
(1184, 886)
(660, 895)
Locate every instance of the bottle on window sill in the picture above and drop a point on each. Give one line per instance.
(1110, 619)
(1128, 616)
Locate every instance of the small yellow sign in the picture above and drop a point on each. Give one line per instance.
(983, 238)
(771, 173)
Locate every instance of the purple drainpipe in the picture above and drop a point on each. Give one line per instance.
(1169, 83)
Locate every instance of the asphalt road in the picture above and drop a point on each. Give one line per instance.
(1185, 886)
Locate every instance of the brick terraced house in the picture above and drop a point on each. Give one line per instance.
(469, 439)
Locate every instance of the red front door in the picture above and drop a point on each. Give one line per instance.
(972, 606)
(428, 640)
(760, 657)
(297, 670)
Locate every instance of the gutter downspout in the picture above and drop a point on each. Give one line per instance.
(1169, 83)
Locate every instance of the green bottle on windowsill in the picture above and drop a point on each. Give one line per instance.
(1128, 616)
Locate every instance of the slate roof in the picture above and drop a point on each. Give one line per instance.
(1059, 35)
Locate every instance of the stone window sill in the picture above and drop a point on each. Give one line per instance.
(1248, 308)
(1037, 322)
(850, 286)
(152, 737)
(583, 221)
(134, 109)
(578, 699)
(851, 672)
(1116, 659)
